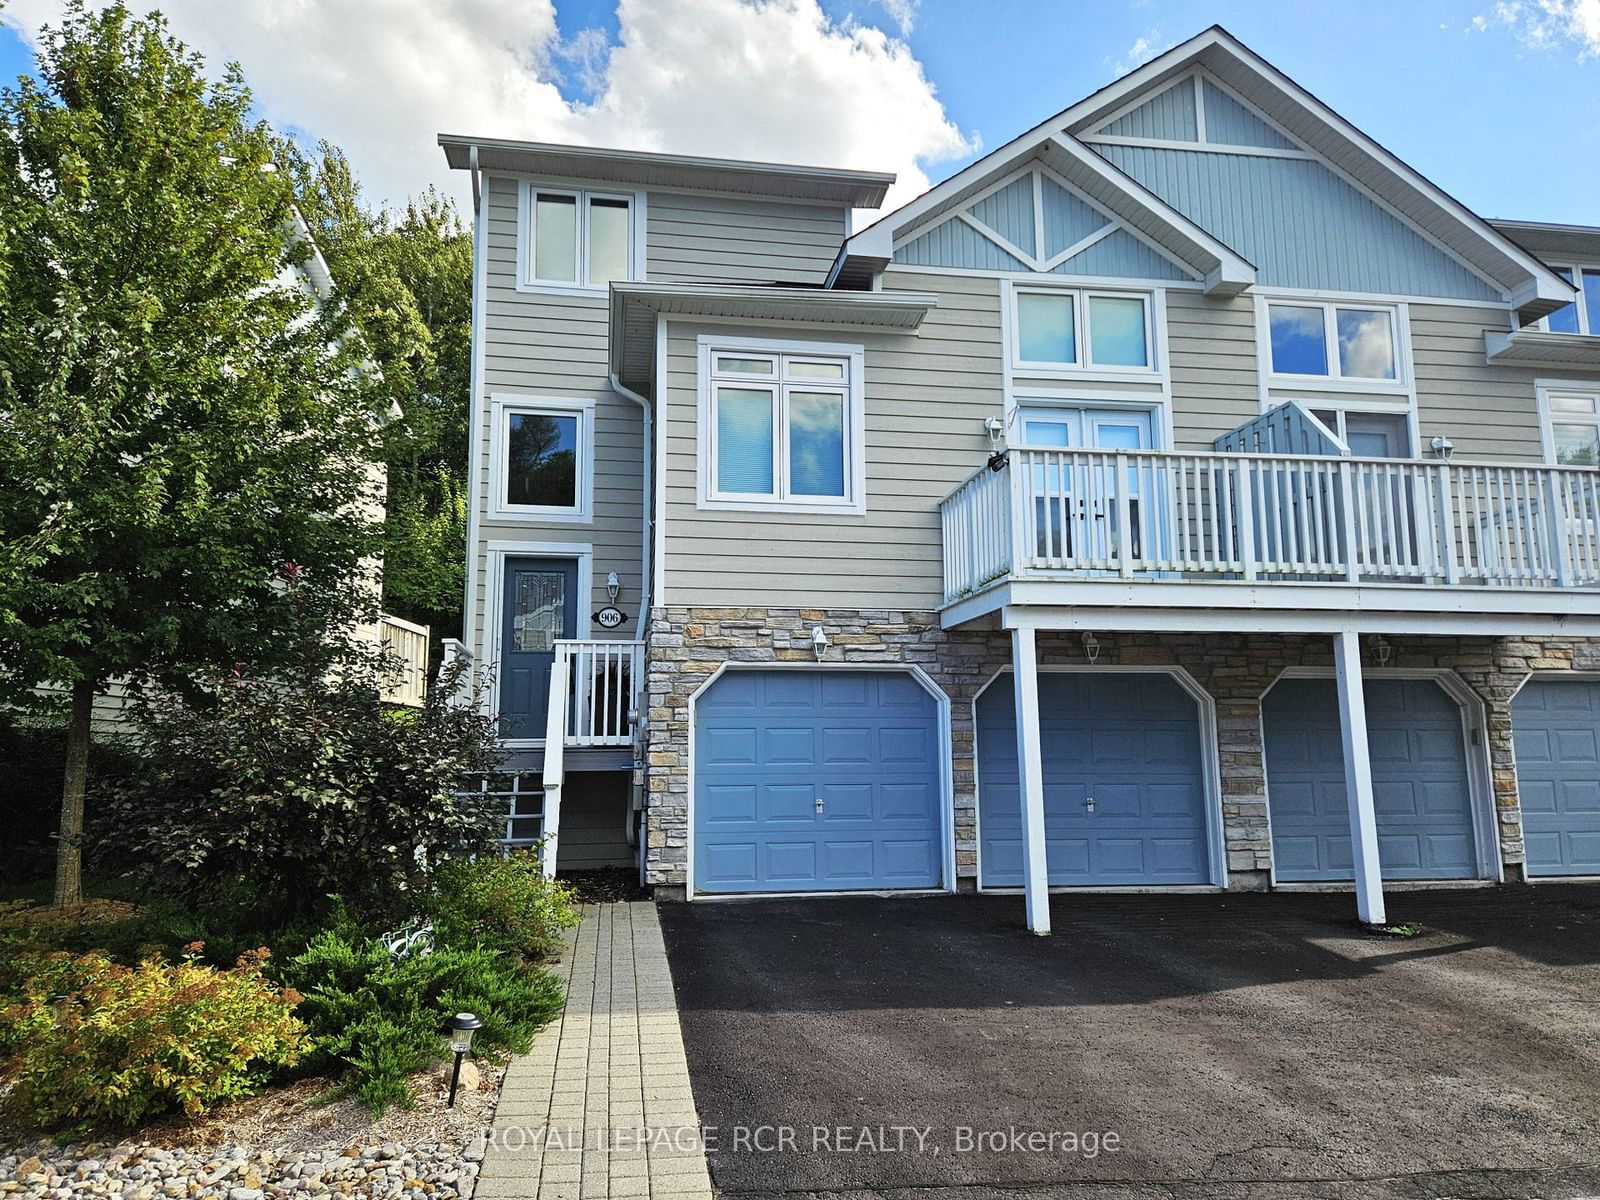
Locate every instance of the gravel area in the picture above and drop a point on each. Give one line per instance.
(283, 1143)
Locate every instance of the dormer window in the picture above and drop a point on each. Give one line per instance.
(576, 239)
(1582, 316)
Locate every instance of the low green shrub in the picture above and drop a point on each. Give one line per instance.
(381, 1018)
(94, 1042)
(501, 902)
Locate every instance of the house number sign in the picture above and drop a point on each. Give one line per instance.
(610, 617)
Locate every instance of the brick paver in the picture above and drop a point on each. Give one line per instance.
(601, 1106)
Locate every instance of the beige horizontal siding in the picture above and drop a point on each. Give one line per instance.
(1212, 359)
(735, 239)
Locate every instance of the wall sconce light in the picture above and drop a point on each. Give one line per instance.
(1091, 647)
(1442, 447)
(1381, 649)
(613, 586)
(819, 642)
(995, 428)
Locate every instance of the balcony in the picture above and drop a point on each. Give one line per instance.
(1275, 533)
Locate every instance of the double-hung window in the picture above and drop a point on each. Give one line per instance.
(576, 239)
(782, 427)
(1056, 329)
(1354, 343)
(1583, 316)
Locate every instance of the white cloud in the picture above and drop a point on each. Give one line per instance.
(903, 13)
(1145, 47)
(1548, 24)
(769, 79)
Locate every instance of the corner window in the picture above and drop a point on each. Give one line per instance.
(1583, 316)
(782, 428)
(577, 239)
(1068, 328)
(1573, 428)
(1333, 341)
(542, 452)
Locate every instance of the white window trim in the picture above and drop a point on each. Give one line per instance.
(1580, 304)
(525, 214)
(1085, 368)
(1399, 338)
(501, 406)
(855, 500)
(1544, 389)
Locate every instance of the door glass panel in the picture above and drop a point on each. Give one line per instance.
(1577, 445)
(555, 238)
(1044, 329)
(1299, 340)
(608, 240)
(816, 444)
(1046, 431)
(1376, 435)
(744, 441)
(539, 603)
(1366, 343)
(542, 460)
(1116, 332)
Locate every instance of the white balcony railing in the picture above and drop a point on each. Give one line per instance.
(1271, 518)
(408, 641)
(594, 693)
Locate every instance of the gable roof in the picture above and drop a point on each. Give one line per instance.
(1531, 286)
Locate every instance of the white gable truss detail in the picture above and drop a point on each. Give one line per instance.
(1214, 114)
(1041, 258)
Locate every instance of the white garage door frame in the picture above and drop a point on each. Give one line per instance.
(1480, 790)
(1558, 675)
(1210, 772)
(946, 768)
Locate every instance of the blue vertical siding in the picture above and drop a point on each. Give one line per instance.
(1230, 123)
(1067, 219)
(1123, 255)
(1167, 116)
(1298, 222)
(1009, 212)
(957, 244)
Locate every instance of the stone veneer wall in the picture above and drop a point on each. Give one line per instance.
(687, 645)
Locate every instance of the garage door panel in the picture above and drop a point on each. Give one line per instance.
(1557, 734)
(1421, 786)
(1129, 740)
(771, 744)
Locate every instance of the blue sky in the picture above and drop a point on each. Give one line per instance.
(1503, 116)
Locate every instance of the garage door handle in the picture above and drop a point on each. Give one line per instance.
(819, 805)
(1088, 803)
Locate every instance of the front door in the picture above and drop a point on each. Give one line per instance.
(539, 604)
(1075, 512)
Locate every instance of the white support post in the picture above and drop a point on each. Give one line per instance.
(1030, 779)
(1358, 777)
(555, 749)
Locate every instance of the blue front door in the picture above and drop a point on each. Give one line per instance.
(1124, 781)
(1557, 727)
(816, 780)
(539, 604)
(1419, 781)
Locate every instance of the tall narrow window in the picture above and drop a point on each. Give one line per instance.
(578, 238)
(1575, 428)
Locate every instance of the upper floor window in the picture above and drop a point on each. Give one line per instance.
(1059, 328)
(1333, 341)
(781, 426)
(541, 457)
(1572, 427)
(1583, 316)
(577, 238)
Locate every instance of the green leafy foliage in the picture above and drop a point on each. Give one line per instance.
(94, 1042)
(304, 788)
(504, 903)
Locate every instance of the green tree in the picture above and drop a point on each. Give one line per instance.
(407, 279)
(184, 431)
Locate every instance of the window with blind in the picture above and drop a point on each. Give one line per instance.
(576, 238)
(781, 428)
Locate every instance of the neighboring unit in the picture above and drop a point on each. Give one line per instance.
(1187, 494)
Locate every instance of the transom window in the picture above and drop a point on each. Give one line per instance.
(1333, 341)
(1060, 328)
(542, 458)
(1584, 315)
(578, 239)
(1574, 431)
(782, 427)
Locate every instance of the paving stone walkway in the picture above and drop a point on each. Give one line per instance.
(601, 1105)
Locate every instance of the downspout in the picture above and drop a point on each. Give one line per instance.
(636, 790)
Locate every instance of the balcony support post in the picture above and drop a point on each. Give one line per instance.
(555, 748)
(1358, 777)
(1030, 779)
(1347, 522)
(1247, 517)
(1445, 496)
(1561, 553)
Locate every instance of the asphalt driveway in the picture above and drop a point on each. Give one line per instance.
(1251, 1045)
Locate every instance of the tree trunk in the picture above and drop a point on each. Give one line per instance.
(69, 845)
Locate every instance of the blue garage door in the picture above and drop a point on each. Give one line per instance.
(816, 780)
(1419, 781)
(1124, 790)
(1557, 726)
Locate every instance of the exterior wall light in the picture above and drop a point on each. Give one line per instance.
(819, 642)
(994, 427)
(613, 586)
(1381, 649)
(1442, 447)
(1091, 647)
(461, 1027)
